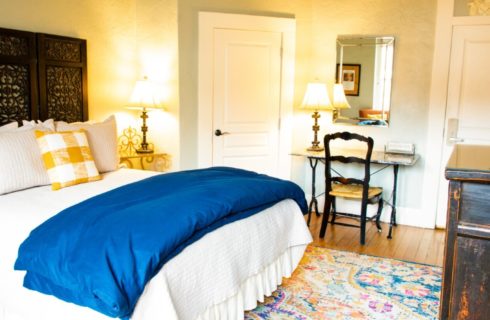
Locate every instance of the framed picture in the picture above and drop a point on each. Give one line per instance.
(351, 74)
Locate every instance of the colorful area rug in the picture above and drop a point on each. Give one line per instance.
(330, 284)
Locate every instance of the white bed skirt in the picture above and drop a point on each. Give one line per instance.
(256, 287)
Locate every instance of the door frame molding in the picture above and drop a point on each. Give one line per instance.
(437, 111)
(208, 21)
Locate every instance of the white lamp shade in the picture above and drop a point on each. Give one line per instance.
(316, 97)
(339, 99)
(144, 96)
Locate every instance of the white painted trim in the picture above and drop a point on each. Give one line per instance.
(437, 111)
(470, 20)
(404, 215)
(208, 21)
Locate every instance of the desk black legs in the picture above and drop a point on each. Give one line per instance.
(381, 159)
(313, 201)
(393, 205)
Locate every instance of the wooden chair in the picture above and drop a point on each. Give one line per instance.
(350, 188)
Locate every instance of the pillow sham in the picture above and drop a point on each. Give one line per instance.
(9, 127)
(38, 124)
(67, 158)
(21, 165)
(102, 139)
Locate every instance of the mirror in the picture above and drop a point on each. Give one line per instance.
(365, 68)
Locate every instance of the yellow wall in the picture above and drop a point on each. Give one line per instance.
(126, 39)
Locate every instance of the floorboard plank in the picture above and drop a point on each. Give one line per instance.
(408, 243)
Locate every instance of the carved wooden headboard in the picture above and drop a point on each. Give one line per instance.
(42, 76)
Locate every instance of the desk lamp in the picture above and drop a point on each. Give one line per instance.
(316, 98)
(339, 100)
(144, 98)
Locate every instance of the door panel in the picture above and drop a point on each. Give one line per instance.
(468, 94)
(247, 81)
(468, 100)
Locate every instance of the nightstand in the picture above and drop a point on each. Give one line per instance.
(147, 161)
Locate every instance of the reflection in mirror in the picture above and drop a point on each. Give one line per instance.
(364, 68)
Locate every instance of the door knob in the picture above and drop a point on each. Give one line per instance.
(455, 140)
(219, 133)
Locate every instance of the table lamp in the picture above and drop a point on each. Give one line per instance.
(144, 97)
(339, 100)
(316, 98)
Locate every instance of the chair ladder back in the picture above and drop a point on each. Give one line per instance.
(344, 180)
(366, 161)
(355, 191)
(345, 159)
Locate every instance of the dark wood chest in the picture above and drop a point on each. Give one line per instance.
(466, 276)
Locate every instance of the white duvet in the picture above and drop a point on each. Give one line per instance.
(217, 277)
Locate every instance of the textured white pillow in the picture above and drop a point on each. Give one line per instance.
(39, 125)
(9, 127)
(21, 165)
(102, 138)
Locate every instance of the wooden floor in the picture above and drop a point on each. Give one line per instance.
(408, 243)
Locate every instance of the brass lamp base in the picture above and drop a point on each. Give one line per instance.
(315, 144)
(144, 145)
(315, 148)
(144, 150)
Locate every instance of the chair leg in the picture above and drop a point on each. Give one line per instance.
(363, 222)
(309, 215)
(326, 214)
(334, 209)
(378, 215)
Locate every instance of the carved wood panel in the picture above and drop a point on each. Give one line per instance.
(64, 96)
(62, 50)
(63, 70)
(14, 93)
(15, 46)
(18, 81)
(42, 76)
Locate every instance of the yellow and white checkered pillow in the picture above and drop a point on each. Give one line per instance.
(67, 158)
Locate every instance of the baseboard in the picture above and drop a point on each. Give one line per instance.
(405, 216)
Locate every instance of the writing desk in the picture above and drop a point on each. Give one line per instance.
(377, 157)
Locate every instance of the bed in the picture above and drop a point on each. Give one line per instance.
(217, 277)
(202, 282)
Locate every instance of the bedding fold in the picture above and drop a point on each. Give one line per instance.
(101, 252)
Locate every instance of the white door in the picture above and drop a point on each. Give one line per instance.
(468, 99)
(245, 92)
(246, 108)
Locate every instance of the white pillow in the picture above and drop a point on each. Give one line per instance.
(9, 127)
(102, 138)
(21, 165)
(39, 125)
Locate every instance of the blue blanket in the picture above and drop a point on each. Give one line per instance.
(101, 252)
